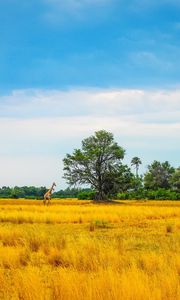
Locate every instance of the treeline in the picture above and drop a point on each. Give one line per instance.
(28, 192)
(99, 163)
(32, 192)
(161, 181)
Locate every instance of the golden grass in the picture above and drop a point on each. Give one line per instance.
(78, 250)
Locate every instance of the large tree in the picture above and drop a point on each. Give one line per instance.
(158, 175)
(97, 163)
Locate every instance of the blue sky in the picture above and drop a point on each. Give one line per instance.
(50, 44)
(70, 67)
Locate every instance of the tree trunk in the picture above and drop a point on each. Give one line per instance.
(100, 195)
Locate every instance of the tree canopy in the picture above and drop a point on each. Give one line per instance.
(158, 175)
(96, 171)
(98, 163)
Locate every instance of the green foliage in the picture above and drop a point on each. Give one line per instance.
(96, 164)
(136, 162)
(86, 195)
(67, 193)
(132, 195)
(175, 180)
(137, 183)
(159, 175)
(119, 180)
(160, 194)
(22, 192)
(163, 194)
(38, 193)
(5, 192)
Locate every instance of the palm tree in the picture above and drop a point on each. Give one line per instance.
(136, 162)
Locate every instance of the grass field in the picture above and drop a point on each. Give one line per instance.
(78, 250)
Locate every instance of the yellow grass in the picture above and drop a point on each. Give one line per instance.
(78, 250)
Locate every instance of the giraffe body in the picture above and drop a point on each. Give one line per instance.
(47, 195)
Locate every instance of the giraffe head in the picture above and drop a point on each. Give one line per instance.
(53, 184)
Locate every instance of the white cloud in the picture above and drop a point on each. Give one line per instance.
(37, 128)
(87, 102)
(35, 133)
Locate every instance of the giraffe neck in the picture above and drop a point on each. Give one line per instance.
(51, 189)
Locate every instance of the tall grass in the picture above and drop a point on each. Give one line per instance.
(76, 250)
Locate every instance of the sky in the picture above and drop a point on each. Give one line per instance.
(71, 67)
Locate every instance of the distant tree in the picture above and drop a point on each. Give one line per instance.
(137, 182)
(5, 192)
(17, 192)
(22, 192)
(67, 193)
(96, 164)
(158, 175)
(175, 180)
(136, 162)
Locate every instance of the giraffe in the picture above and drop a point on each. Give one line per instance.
(47, 195)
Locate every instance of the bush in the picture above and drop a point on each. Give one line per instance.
(160, 194)
(86, 195)
(123, 196)
(163, 194)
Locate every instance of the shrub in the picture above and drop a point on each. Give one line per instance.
(123, 196)
(86, 195)
(160, 194)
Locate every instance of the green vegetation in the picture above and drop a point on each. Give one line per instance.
(30, 192)
(99, 166)
(159, 175)
(38, 192)
(160, 194)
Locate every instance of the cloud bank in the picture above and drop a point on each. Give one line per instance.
(149, 106)
(41, 126)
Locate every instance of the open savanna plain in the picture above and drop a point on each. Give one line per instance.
(80, 250)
